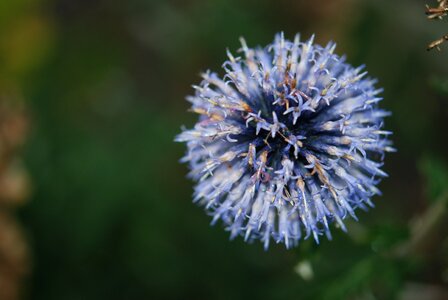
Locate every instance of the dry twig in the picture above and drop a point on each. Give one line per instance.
(437, 13)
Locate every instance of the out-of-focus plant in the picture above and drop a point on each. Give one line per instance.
(24, 41)
(14, 189)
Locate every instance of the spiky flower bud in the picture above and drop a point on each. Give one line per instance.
(289, 141)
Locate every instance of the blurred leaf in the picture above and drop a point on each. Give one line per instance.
(435, 171)
(439, 85)
(26, 37)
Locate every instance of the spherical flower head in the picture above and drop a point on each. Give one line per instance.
(288, 142)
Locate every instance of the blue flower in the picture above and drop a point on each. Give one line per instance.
(289, 141)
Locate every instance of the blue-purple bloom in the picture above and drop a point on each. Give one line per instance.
(289, 141)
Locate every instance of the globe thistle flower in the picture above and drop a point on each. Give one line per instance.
(289, 141)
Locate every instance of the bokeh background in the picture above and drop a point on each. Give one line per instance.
(94, 204)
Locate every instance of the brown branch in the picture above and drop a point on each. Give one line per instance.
(424, 228)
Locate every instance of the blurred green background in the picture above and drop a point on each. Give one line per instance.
(110, 213)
